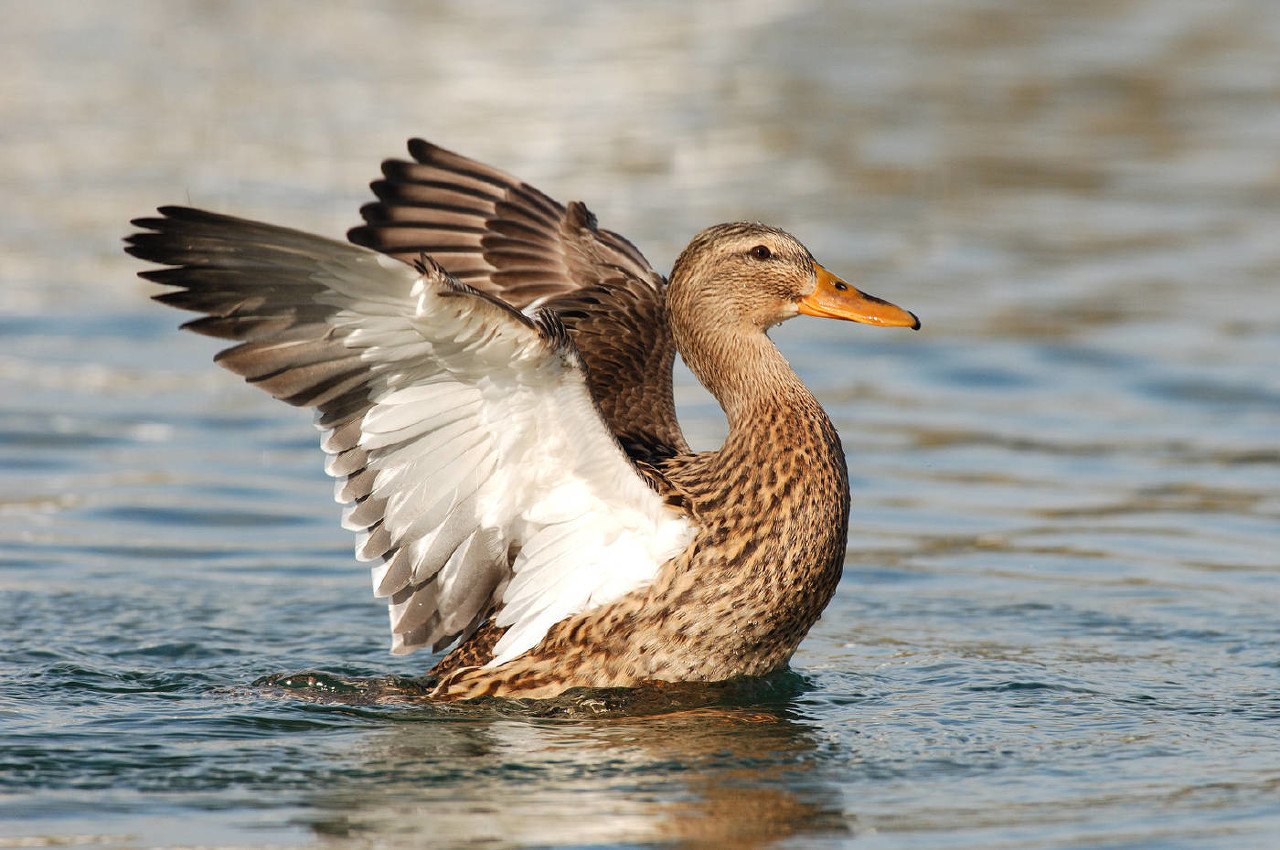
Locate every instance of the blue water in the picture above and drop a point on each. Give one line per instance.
(1058, 623)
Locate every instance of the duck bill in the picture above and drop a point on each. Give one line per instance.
(835, 299)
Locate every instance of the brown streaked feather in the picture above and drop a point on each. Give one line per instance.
(475, 651)
(509, 240)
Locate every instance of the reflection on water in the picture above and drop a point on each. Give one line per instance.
(1058, 620)
(580, 769)
(713, 777)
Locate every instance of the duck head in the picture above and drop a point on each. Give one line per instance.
(743, 275)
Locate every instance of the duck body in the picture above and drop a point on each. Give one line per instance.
(502, 424)
(737, 601)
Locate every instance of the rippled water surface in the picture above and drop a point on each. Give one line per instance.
(1059, 624)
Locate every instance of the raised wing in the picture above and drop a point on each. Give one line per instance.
(476, 466)
(506, 238)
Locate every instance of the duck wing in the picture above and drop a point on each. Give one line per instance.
(506, 238)
(476, 466)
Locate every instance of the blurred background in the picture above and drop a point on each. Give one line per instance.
(1058, 622)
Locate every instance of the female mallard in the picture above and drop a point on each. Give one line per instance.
(492, 374)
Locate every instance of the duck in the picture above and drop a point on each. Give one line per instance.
(491, 372)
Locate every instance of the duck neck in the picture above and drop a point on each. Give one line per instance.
(749, 377)
(780, 439)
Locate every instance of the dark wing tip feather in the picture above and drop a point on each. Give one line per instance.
(373, 212)
(422, 150)
(362, 236)
(429, 153)
(171, 213)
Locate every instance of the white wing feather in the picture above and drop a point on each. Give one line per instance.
(485, 444)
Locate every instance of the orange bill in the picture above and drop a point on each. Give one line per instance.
(835, 299)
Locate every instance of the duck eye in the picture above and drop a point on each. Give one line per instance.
(760, 252)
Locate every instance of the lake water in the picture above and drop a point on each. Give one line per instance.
(1059, 624)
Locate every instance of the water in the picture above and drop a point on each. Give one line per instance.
(1058, 625)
